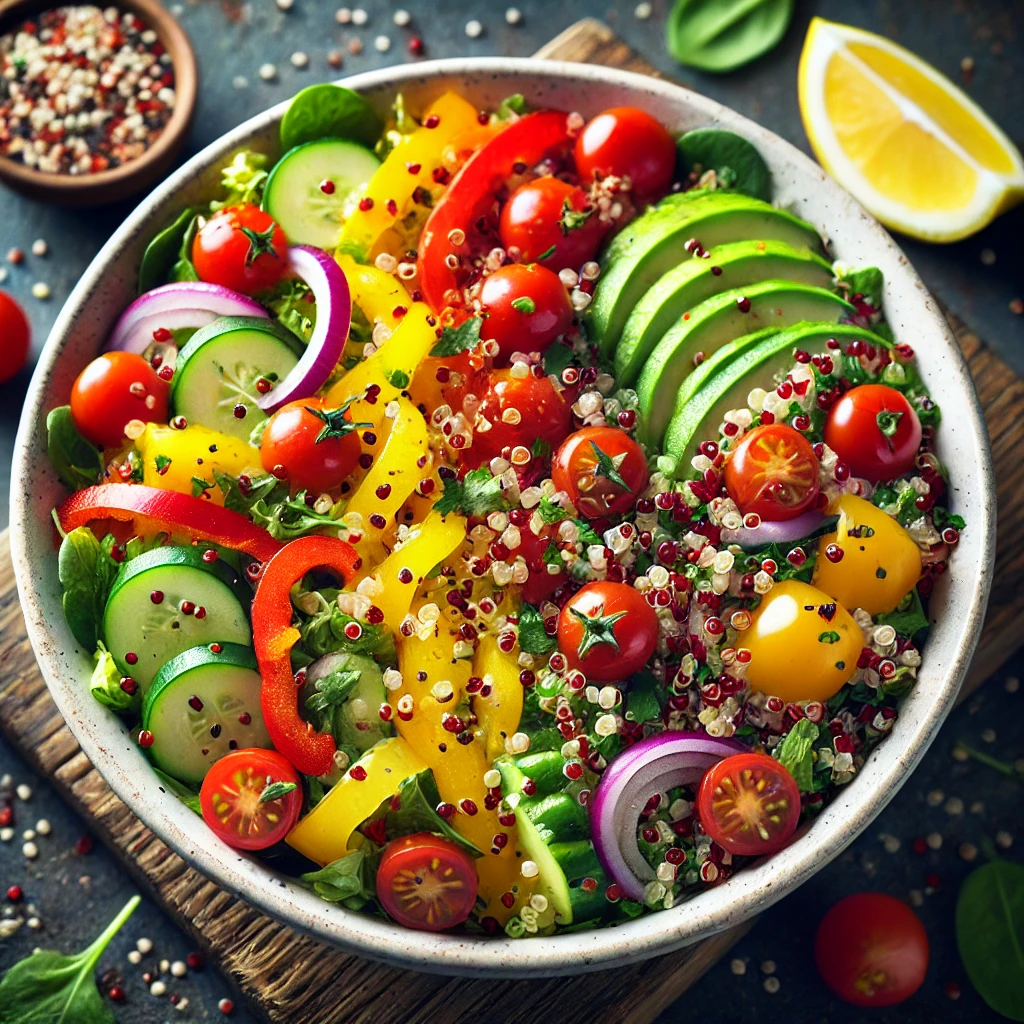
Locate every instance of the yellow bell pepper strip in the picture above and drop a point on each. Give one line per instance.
(408, 167)
(324, 834)
(498, 705)
(375, 292)
(402, 572)
(175, 460)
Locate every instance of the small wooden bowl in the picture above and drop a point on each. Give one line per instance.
(136, 175)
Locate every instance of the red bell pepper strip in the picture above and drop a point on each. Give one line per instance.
(153, 510)
(274, 636)
(473, 190)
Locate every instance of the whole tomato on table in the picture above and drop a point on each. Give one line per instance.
(241, 248)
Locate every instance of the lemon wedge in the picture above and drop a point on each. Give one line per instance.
(901, 137)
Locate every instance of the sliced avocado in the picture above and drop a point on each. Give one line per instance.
(723, 382)
(714, 323)
(657, 245)
(735, 265)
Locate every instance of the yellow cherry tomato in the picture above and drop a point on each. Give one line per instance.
(796, 652)
(880, 562)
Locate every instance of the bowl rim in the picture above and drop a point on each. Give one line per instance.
(749, 891)
(175, 41)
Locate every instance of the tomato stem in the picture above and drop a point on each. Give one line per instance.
(597, 629)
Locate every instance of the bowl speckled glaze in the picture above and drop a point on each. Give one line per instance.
(958, 603)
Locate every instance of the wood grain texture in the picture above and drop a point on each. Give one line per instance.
(292, 979)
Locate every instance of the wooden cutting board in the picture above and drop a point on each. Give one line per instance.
(288, 978)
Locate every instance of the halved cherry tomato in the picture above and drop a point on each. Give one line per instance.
(526, 307)
(551, 222)
(773, 472)
(749, 804)
(602, 469)
(543, 415)
(312, 446)
(540, 584)
(241, 248)
(872, 950)
(607, 631)
(15, 331)
(629, 143)
(426, 882)
(246, 799)
(875, 431)
(114, 389)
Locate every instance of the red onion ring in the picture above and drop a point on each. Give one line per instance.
(803, 527)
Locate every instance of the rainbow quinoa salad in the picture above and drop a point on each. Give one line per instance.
(500, 520)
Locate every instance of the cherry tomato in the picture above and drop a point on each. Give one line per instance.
(543, 415)
(607, 631)
(602, 469)
(550, 216)
(426, 882)
(773, 472)
(233, 804)
(749, 804)
(872, 950)
(526, 308)
(114, 389)
(629, 143)
(540, 584)
(241, 248)
(875, 431)
(311, 445)
(15, 331)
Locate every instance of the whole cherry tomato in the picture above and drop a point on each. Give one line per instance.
(238, 804)
(426, 882)
(114, 389)
(607, 631)
(875, 431)
(749, 804)
(310, 445)
(241, 248)
(526, 307)
(15, 331)
(773, 472)
(872, 950)
(553, 223)
(629, 143)
(602, 469)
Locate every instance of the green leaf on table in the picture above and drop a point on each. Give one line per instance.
(77, 462)
(533, 637)
(795, 753)
(721, 35)
(737, 164)
(163, 250)
(329, 112)
(86, 572)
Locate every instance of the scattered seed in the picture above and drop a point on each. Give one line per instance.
(952, 989)
(24, 792)
(335, 59)
(738, 965)
(934, 841)
(28, 835)
(1017, 306)
(240, 82)
(768, 967)
(31, 851)
(960, 754)
(359, 16)
(1011, 684)
(474, 29)
(268, 72)
(144, 946)
(1003, 839)
(355, 46)
(3, 274)
(15, 256)
(179, 969)
(916, 897)
(134, 957)
(382, 44)
(935, 797)
(343, 16)
(6, 834)
(401, 17)
(967, 851)
(39, 247)
(300, 59)
(772, 985)
(43, 827)
(158, 988)
(514, 16)
(988, 735)
(954, 805)
(285, 5)
(988, 257)
(226, 1006)
(890, 844)
(643, 11)
(977, 807)
(34, 923)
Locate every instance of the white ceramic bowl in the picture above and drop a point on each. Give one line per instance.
(957, 605)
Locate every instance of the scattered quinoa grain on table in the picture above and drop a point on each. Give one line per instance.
(359, 16)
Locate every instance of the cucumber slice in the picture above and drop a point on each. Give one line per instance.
(214, 383)
(203, 704)
(144, 625)
(293, 196)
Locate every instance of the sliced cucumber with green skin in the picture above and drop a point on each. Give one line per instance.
(723, 382)
(214, 382)
(731, 266)
(714, 323)
(167, 600)
(294, 195)
(203, 704)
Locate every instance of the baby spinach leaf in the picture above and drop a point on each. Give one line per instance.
(794, 753)
(413, 809)
(163, 249)
(644, 698)
(459, 339)
(49, 987)
(990, 935)
(737, 164)
(189, 797)
(721, 35)
(866, 282)
(183, 268)
(908, 618)
(77, 461)
(350, 876)
(329, 111)
(533, 637)
(86, 572)
(557, 359)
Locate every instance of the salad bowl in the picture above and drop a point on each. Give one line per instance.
(957, 604)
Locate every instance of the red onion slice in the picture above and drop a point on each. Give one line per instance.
(651, 766)
(333, 319)
(803, 527)
(175, 306)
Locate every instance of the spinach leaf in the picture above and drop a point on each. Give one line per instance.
(49, 987)
(413, 809)
(533, 637)
(908, 618)
(721, 35)
(645, 698)
(78, 462)
(990, 935)
(477, 494)
(794, 753)
(86, 572)
(105, 684)
(188, 796)
(737, 164)
(329, 111)
(163, 249)
(183, 268)
(350, 877)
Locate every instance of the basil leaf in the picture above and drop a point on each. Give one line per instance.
(990, 935)
(533, 637)
(49, 986)
(737, 164)
(78, 462)
(163, 249)
(86, 573)
(720, 35)
(794, 753)
(328, 111)
(414, 809)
